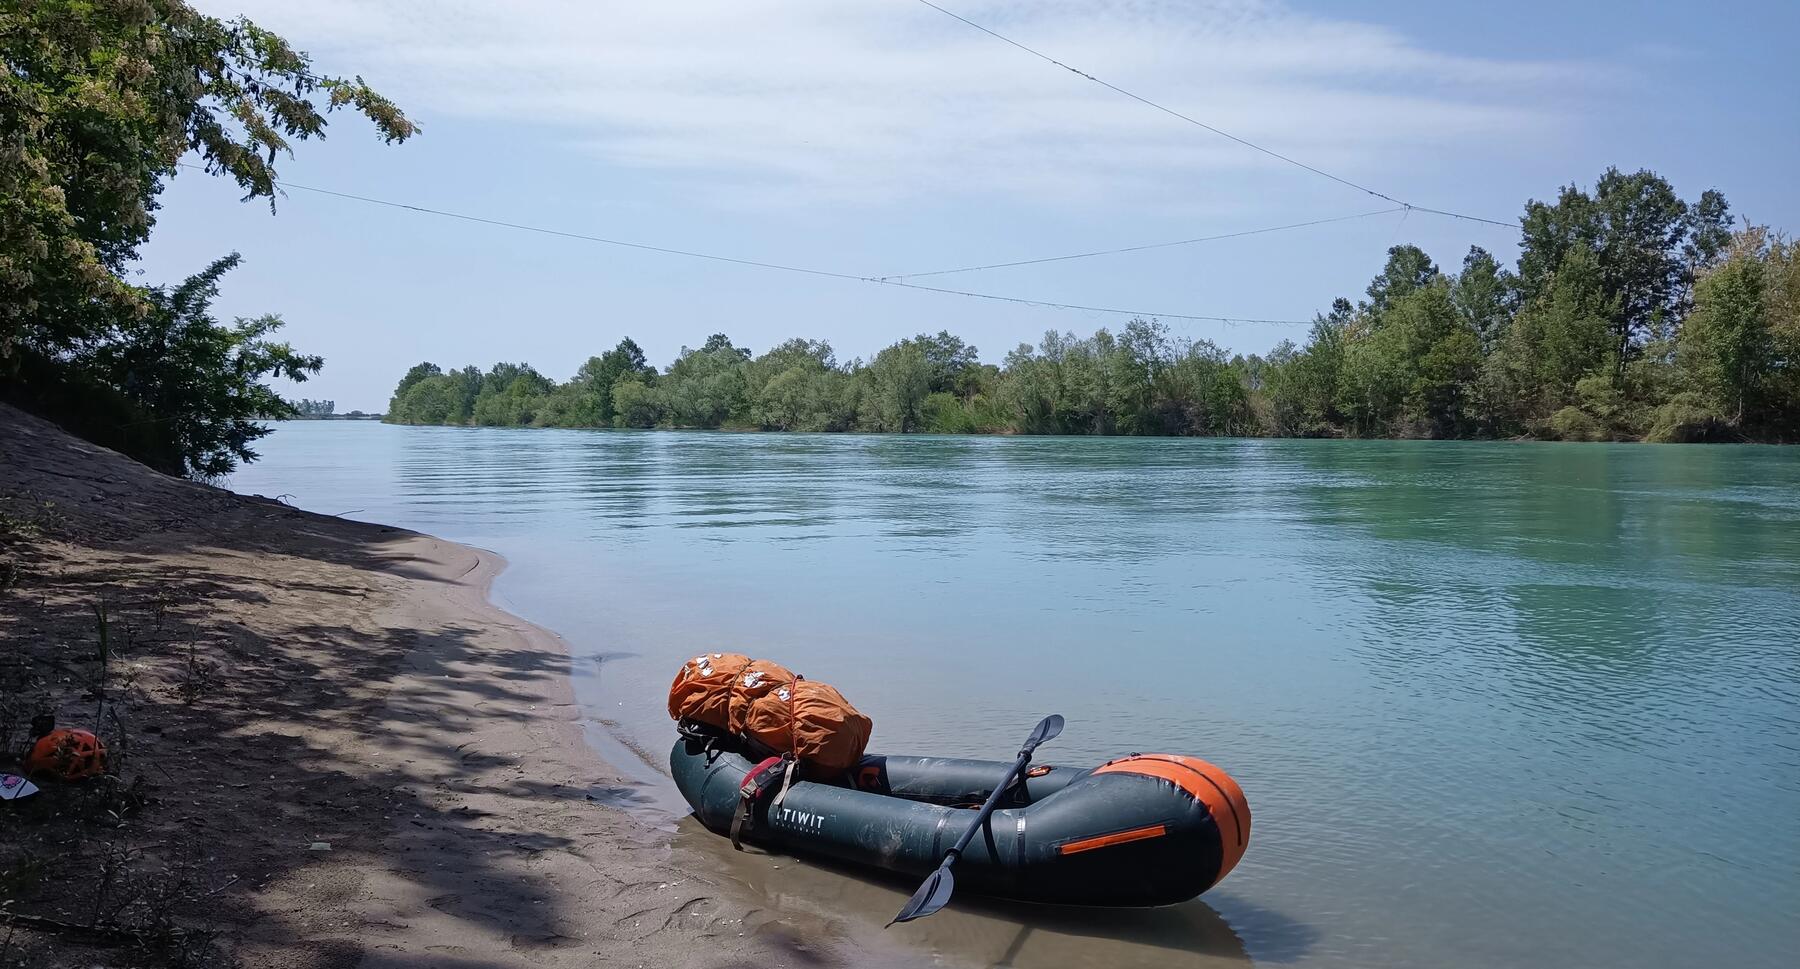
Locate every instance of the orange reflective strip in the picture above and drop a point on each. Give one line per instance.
(1135, 834)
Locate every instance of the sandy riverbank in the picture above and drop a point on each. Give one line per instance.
(281, 680)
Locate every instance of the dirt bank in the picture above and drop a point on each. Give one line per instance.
(274, 682)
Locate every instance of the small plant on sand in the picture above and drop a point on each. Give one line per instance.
(22, 701)
(14, 528)
(23, 523)
(152, 619)
(27, 520)
(197, 675)
(104, 654)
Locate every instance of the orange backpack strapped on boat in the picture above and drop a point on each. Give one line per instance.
(702, 689)
(770, 708)
(758, 679)
(813, 722)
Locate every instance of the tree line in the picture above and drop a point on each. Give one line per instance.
(1630, 315)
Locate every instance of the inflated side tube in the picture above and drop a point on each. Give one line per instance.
(1148, 829)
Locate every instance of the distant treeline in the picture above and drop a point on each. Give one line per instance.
(306, 409)
(1630, 315)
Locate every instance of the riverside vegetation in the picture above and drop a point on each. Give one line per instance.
(1630, 315)
(99, 102)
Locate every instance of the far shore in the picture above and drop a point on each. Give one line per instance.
(744, 429)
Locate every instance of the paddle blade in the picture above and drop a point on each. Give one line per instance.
(931, 896)
(1046, 729)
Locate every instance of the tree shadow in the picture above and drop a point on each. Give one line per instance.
(296, 750)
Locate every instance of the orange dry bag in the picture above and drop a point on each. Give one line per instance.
(770, 708)
(702, 690)
(813, 722)
(756, 681)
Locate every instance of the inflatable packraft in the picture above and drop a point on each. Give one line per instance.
(1148, 829)
(777, 760)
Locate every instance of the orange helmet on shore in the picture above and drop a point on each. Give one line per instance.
(67, 754)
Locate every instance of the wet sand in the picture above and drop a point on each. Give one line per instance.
(978, 932)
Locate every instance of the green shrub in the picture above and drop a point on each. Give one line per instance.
(943, 413)
(1688, 418)
(1575, 424)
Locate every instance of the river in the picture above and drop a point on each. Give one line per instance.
(1493, 704)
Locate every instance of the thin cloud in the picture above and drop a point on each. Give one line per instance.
(825, 98)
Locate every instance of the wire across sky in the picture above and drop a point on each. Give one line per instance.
(1143, 248)
(1217, 131)
(894, 281)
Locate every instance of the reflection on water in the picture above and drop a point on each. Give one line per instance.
(1493, 704)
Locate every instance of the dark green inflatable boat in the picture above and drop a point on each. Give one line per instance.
(1147, 829)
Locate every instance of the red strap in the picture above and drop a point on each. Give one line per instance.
(754, 781)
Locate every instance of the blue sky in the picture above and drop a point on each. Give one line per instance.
(879, 137)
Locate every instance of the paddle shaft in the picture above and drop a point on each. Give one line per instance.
(987, 808)
(934, 893)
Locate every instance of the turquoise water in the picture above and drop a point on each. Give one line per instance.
(1493, 704)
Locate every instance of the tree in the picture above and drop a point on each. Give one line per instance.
(591, 391)
(511, 395)
(635, 404)
(1412, 375)
(1408, 268)
(1565, 333)
(433, 400)
(1311, 384)
(720, 343)
(1199, 393)
(1030, 391)
(705, 387)
(419, 372)
(950, 360)
(1708, 230)
(99, 101)
(1725, 349)
(797, 386)
(1135, 365)
(1448, 353)
(201, 379)
(1633, 227)
(1481, 293)
(900, 380)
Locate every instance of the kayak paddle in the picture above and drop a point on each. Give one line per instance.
(935, 892)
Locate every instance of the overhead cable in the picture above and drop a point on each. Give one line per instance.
(759, 264)
(1146, 314)
(1201, 124)
(1153, 245)
(556, 232)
